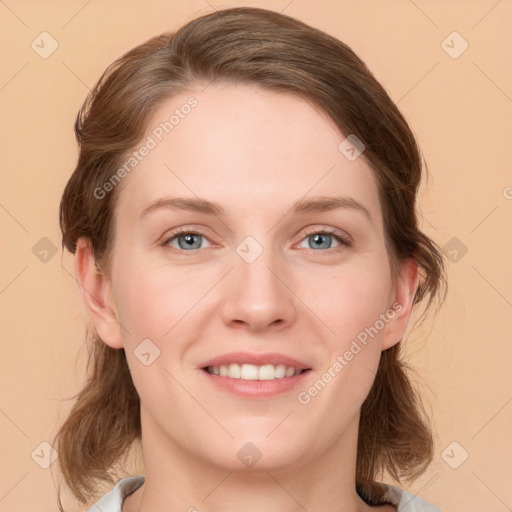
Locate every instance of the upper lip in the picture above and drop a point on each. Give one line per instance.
(254, 359)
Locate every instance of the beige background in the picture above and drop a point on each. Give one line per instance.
(460, 109)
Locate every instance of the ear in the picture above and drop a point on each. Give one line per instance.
(97, 294)
(400, 309)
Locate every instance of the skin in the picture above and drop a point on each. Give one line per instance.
(254, 153)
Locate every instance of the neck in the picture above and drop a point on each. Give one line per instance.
(179, 480)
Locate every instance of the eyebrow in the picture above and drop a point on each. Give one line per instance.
(302, 206)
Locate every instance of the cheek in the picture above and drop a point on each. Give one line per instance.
(350, 300)
(153, 305)
(156, 297)
(357, 297)
(142, 310)
(352, 310)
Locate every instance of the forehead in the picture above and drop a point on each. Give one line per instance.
(245, 148)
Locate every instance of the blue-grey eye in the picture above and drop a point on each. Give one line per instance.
(187, 241)
(321, 241)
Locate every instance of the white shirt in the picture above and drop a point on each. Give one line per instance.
(113, 500)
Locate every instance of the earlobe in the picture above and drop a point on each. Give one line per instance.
(404, 293)
(96, 293)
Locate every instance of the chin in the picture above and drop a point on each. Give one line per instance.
(256, 451)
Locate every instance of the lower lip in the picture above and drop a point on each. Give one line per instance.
(257, 388)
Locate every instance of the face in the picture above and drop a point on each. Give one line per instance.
(248, 244)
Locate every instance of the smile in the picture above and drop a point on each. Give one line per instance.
(253, 372)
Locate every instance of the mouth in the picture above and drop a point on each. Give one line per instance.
(255, 375)
(255, 382)
(249, 372)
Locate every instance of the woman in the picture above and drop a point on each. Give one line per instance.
(246, 243)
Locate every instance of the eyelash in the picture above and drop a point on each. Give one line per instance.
(345, 241)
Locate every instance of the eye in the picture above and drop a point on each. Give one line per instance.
(325, 239)
(186, 240)
(189, 241)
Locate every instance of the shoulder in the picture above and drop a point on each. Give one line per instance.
(113, 500)
(406, 501)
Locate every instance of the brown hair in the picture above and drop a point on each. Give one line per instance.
(277, 52)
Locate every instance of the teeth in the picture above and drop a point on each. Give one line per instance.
(233, 371)
(252, 372)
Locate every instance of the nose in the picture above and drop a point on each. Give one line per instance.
(257, 295)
